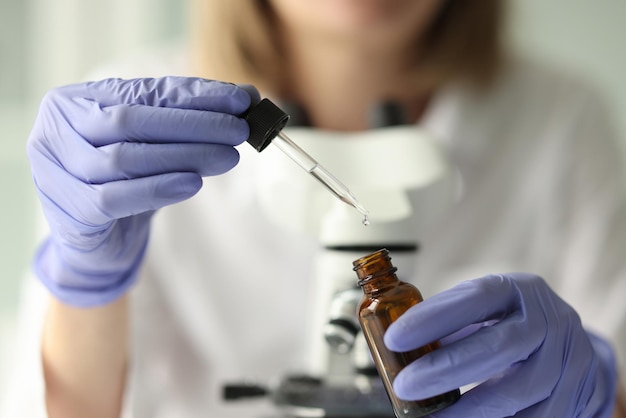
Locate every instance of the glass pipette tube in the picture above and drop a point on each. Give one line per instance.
(310, 165)
(266, 121)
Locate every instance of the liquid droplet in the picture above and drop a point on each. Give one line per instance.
(366, 221)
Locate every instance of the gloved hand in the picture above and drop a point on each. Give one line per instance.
(530, 352)
(105, 155)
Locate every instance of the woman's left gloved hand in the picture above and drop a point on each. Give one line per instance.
(531, 353)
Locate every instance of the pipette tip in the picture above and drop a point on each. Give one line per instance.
(353, 201)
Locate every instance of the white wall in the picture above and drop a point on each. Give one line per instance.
(586, 36)
(71, 37)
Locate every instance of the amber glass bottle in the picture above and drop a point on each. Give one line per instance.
(385, 299)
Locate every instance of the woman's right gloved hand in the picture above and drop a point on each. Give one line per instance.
(105, 155)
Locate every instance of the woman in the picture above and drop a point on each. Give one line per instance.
(532, 148)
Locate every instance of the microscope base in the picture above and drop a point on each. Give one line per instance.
(307, 397)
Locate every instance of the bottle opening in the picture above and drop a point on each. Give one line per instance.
(373, 265)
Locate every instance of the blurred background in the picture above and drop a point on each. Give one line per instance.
(44, 44)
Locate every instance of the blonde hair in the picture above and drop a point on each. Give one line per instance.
(236, 40)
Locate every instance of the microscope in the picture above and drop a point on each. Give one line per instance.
(404, 179)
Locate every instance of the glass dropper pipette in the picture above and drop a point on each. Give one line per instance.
(266, 122)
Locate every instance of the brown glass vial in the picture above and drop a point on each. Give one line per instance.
(385, 298)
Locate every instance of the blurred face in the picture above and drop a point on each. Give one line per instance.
(363, 21)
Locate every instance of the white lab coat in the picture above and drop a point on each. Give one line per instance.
(224, 291)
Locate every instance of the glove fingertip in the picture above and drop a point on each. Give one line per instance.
(402, 388)
(176, 187)
(192, 183)
(393, 339)
(220, 159)
(390, 339)
(255, 96)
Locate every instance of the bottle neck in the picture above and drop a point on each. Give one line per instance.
(379, 283)
(376, 273)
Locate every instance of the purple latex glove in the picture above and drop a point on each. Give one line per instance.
(531, 354)
(105, 155)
